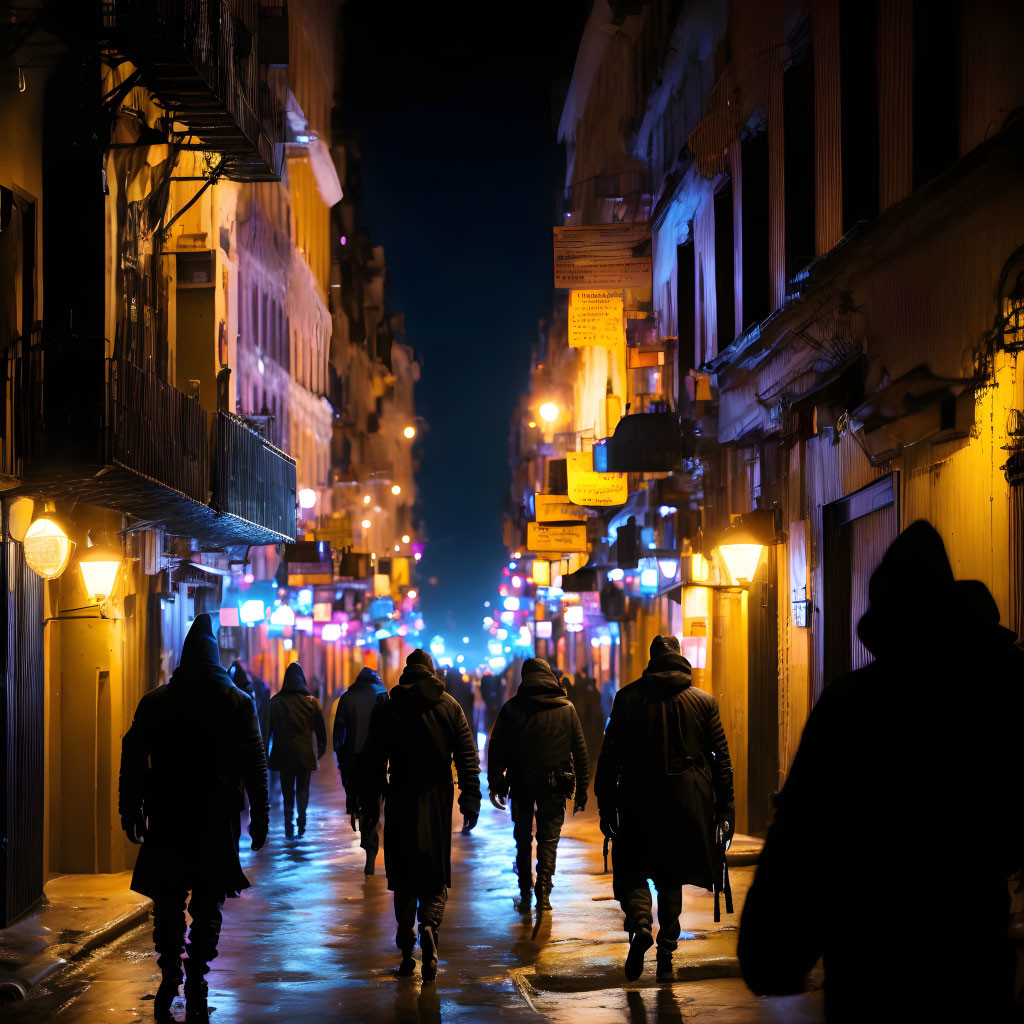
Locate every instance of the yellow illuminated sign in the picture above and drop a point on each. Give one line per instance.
(589, 488)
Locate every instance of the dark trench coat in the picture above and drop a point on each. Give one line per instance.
(192, 746)
(295, 717)
(664, 773)
(414, 738)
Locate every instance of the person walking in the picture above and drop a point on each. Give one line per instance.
(260, 698)
(663, 788)
(462, 690)
(922, 743)
(414, 738)
(295, 718)
(538, 758)
(192, 750)
(492, 692)
(351, 727)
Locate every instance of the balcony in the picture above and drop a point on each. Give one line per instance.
(83, 427)
(201, 59)
(647, 442)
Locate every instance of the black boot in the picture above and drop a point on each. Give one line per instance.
(197, 1010)
(522, 905)
(371, 863)
(639, 942)
(428, 947)
(165, 995)
(665, 972)
(543, 894)
(302, 826)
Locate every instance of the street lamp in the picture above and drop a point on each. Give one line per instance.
(405, 538)
(366, 524)
(47, 547)
(741, 544)
(410, 432)
(307, 497)
(548, 412)
(100, 564)
(396, 489)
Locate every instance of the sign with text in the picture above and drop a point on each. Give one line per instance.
(557, 508)
(595, 318)
(604, 256)
(540, 537)
(589, 488)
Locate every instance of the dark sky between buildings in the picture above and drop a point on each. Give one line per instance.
(452, 108)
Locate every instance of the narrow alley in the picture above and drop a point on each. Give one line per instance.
(313, 940)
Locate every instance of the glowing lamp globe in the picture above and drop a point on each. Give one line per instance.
(331, 633)
(99, 570)
(409, 432)
(741, 560)
(548, 412)
(406, 538)
(366, 524)
(307, 497)
(47, 548)
(412, 595)
(396, 489)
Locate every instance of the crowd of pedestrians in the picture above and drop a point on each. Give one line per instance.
(885, 755)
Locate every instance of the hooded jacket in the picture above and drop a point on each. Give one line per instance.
(922, 744)
(664, 776)
(192, 746)
(414, 738)
(352, 726)
(295, 717)
(536, 732)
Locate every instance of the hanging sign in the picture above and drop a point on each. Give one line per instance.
(557, 508)
(589, 488)
(595, 318)
(540, 537)
(604, 256)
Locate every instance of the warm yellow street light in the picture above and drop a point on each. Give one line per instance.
(412, 595)
(100, 564)
(410, 432)
(741, 560)
(532, 424)
(47, 548)
(367, 524)
(396, 489)
(405, 538)
(366, 499)
(548, 412)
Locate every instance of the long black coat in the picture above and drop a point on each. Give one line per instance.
(352, 726)
(907, 783)
(192, 746)
(295, 716)
(414, 738)
(664, 773)
(537, 731)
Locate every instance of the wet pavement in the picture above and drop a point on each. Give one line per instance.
(313, 940)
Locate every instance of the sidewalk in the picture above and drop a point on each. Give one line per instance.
(77, 914)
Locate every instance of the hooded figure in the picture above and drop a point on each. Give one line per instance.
(259, 697)
(462, 691)
(193, 747)
(922, 744)
(414, 737)
(351, 727)
(538, 755)
(663, 785)
(492, 691)
(295, 718)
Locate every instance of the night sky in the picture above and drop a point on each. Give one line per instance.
(453, 113)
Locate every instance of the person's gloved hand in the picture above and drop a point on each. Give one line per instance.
(469, 822)
(498, 801)
(579, 806)
(608, 827)
(728, 829)
(258, 834)
(135, 828)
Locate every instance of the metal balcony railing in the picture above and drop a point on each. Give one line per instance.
(251, 478)
(201, 59)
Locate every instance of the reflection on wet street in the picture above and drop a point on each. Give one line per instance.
(314, 940)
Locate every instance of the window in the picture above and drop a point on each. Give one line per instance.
(936, 144)
(858, 89)
(754, 214)
(686, 307)
(725, 262)
(798, 140)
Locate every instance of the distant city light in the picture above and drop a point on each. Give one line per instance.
(412, 595)
(417, 556)
(532, 424)
(331, 632)
(405, 538)
(252, 611)
(343, 240)
(667, 510)
(307, 497)
(517, 554)
(260, 366)
(398, 547)
(461, 658)
(396, 489)
(367, 524)
(465, 639)
(548, 412)
(517, 581)
(410, 432)
(511, 604)
(615, 575)
(366, 499)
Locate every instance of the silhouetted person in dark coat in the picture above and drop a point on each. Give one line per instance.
(351, 727)
(192, 748)
(260, 697)
(921, 745)
(462, 690)
(492, 693)
(295, 718)
(538, 756)
(588, 707)
(414, 738)
(664, 782)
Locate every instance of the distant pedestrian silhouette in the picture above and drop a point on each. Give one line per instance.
(538, 756)
(900, 820)
(351, 727)
(663, 786)
(295, 718)
(193, 745)
(414, 738)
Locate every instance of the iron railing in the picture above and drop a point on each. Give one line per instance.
(201, 59)
(252, 479)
